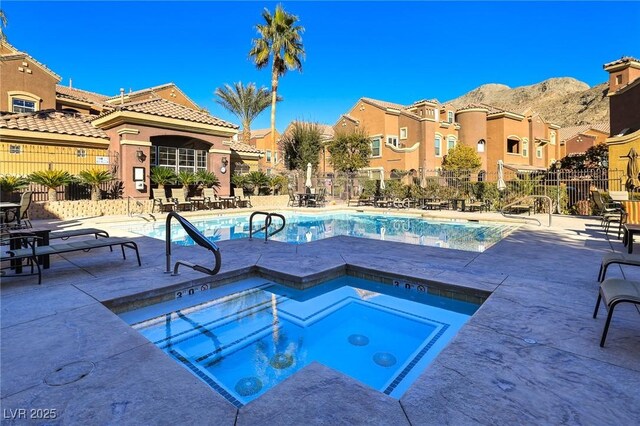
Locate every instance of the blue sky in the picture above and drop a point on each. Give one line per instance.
(395, 51)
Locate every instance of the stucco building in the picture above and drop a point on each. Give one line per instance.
(127, 133)
(417, 137)
(624, 110)
(578, 139)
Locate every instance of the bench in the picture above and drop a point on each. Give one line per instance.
(84, 245)
(521, 208)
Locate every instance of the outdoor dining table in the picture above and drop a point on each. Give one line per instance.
(6, 206)
(228, 202)
(304, 197)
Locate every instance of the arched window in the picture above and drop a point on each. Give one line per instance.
(481, 144)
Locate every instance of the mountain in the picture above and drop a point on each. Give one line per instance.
(564, 101)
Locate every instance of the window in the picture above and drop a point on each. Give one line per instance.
(481, 143)
(513, 146)
(375, 147)
(81, 153)
(404, 132)
(268, 153)
(619, 79)
(15, 149)
(451, 143)
(392, 140)
(179, 159)
(436, 114)
(525, 148)
(552, 137)
(437, 144)
(539, 152)
(23, 105)
(450, 116)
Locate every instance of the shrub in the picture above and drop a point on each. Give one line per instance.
(162, 176)
(94, 178)
(52, 179)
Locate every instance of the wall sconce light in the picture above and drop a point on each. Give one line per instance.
(140, 156)
(225, 162)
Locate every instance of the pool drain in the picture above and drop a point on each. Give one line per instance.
(69, 373)
(358, 340)
(281, 361)
(384, 359)
(248, 386)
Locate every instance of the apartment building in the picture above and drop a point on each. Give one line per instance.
(624, 110)
(578, 139)
(126, 133)
(416, 138)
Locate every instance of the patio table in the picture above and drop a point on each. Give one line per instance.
(6, 206)
(228, 202)
(43, 240)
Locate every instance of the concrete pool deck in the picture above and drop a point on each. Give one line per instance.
(530, 355)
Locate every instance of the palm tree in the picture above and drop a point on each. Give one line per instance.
(245, 102)
(94, 178)
(281, 41)
(3, 25)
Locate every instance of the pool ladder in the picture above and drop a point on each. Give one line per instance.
(267, 223)
(199, 239)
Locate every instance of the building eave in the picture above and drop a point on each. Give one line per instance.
(117, 118)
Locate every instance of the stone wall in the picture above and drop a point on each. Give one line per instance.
(88, 208)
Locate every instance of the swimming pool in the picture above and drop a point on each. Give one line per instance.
(303, 228)
(245, 338)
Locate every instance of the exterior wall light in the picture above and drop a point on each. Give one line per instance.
(225, 162)
(140, 156)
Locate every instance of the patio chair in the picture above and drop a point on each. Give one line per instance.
(177, 196)
(609, 212)
(211, 198)
(616, 259)
(318, 200)
(10, 220)
(164, 205)
(293, 199)
(241, 199)
(615, 291)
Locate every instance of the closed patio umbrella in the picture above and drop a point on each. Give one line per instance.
(308, 183)
(382, 185)
(633, 168)
(501, 183)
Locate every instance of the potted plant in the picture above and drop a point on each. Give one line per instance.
(10, 184)
(239, 181)
(52, 179)
(187, 179)
(162, 176)
(94, 178)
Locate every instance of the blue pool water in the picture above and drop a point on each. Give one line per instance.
(302, 228)
(243, 339)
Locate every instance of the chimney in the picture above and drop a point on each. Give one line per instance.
(70, 83)
(121, 96)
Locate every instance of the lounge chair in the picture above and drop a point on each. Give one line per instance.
(614, 291)
(211, 199)
(318, 200)
(293, 199)
(181, 203)
(30, 251)
(241, 199)
(27, 245)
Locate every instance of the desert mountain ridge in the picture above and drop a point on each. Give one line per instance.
(564, 101)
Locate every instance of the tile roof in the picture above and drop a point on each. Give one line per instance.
(51, 121)
(384, 104)
(164, 108)
(622, 60)
(243, 147)
(327, 131)
(81, 95)
(260, 133)
(16, 54)
(490, 108)
(566, 133)
(143, 91)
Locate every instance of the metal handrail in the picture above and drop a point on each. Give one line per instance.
(199, 239)
(267, 223)
(519, 200)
